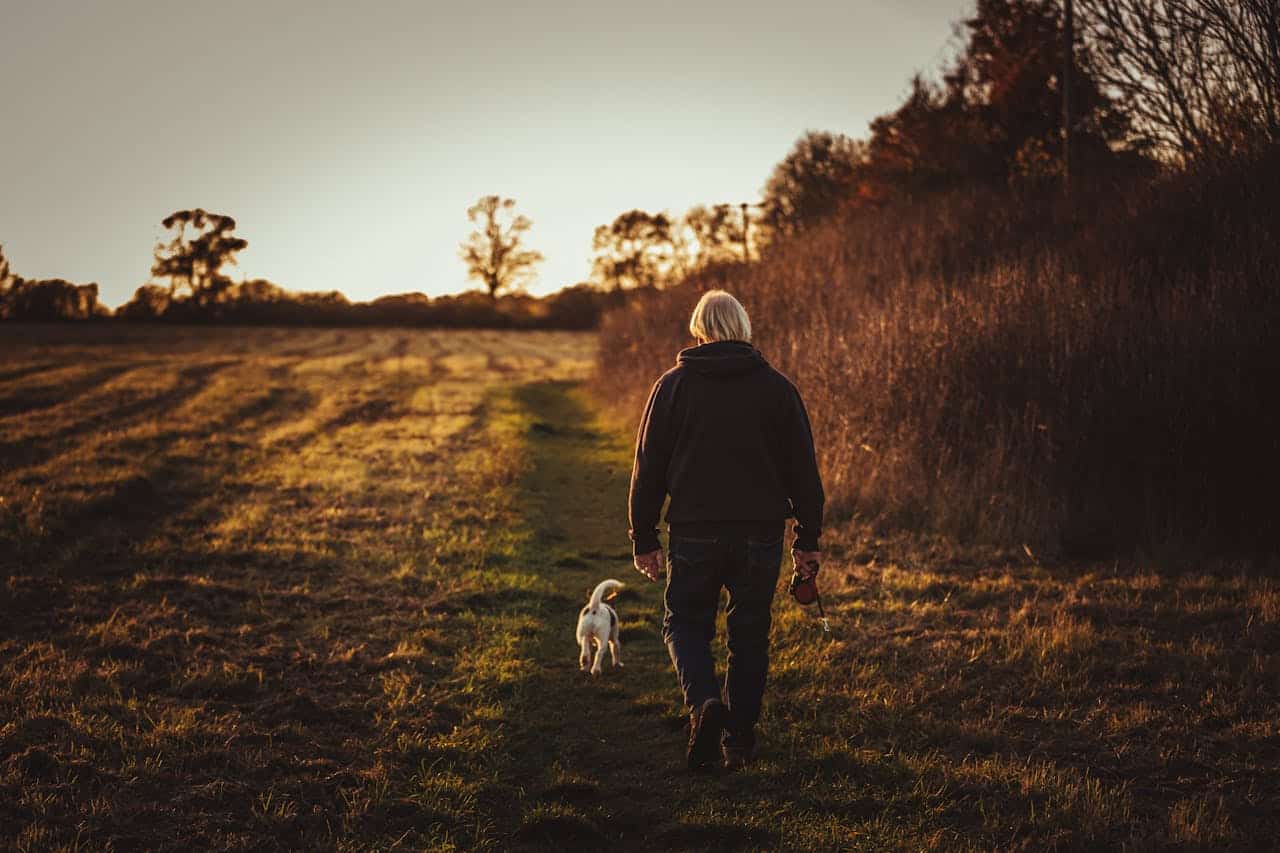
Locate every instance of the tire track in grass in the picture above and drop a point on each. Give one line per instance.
(97, 426)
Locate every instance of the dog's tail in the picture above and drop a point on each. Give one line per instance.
(602, 590)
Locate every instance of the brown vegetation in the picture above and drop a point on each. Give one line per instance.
(1016, 370)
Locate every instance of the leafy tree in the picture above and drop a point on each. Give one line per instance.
(49, 300)
(716, 234)
(46, 300)
(193, 261)
(149, 302)
(6, 276)
(812, 181)
(259, 290)
(9, 285)
(637, 249)
(1011, 76)
(996, 114)
(580, 306)
(494, 252)
(928, 142)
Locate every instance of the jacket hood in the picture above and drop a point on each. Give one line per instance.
(722, 358)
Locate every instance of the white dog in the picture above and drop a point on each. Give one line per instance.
(599, 622)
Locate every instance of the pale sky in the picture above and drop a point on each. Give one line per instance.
(348, 139)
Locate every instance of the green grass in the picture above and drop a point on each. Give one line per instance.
(317, 590)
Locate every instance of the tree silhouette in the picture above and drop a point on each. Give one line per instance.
(1197, 76)
(636, 250)
(716, 232)
(931, 140)
(1010, 76)
(494, 252)
(45, 300)
(996, 113)
(149, 302)
(193, 262)
(6, 277)
(819, 172)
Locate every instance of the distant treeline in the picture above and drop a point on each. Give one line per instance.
(987, 356)
(202, 244)
(258, 302)
(47, 300)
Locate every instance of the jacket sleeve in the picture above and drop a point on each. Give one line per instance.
(649, 473)
(803, 482)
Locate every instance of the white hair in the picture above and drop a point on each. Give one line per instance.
(720, 317)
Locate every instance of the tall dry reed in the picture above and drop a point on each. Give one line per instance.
(1005, 367)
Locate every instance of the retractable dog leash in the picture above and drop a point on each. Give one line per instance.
(805, 591)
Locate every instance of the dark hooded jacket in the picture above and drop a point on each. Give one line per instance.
(728, 438)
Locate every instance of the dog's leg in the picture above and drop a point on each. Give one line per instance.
(614, 648)
(598, 666)
(584, 659)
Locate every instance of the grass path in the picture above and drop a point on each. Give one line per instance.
(599, 759)
(587, 761)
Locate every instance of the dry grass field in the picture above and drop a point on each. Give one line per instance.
(315, 589)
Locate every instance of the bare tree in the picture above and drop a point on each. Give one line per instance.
(1197, 76)
(494, 252)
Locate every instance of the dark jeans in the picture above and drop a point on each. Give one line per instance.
(698, 567)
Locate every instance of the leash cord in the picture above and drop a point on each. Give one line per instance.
(826, 626)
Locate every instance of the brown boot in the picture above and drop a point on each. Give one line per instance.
(705, 726)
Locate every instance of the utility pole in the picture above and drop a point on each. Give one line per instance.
(1068, 67)
(746, 230)
(746, 225)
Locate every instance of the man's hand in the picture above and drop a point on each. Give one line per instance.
(651, 565)
(807, 563)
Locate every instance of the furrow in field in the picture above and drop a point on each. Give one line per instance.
(142, 397)
(62, 389)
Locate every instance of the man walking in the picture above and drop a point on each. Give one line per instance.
(728, 438)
